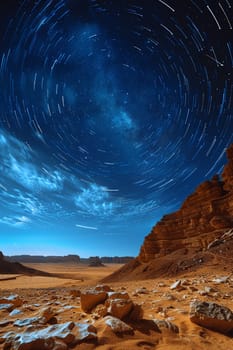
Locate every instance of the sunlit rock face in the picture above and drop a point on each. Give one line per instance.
(201, 219)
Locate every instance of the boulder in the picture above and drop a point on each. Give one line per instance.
(52, 337)
(117, 326)
(119, 308)
(213, 316)
(90, 298)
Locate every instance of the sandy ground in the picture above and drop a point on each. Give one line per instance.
(72, 273)
(157, 300)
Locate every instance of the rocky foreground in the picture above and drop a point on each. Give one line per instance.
(192, 312)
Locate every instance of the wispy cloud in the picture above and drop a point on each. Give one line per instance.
(86, 227)
(95, 200)
(15, 221)
(19, 163)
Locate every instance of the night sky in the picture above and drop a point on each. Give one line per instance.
(111, 113)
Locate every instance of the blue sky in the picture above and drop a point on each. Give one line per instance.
(111, 114)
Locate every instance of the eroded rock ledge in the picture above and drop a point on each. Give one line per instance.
(202, 218)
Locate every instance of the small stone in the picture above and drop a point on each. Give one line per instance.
(99, 311)
(176, 285)
(163, 324)
(167, 296)
(210, 289)
(142, 290)
(46, 314)
(7, 307)
(103, 288)
(161, 284)
(118, 295)
(222, 279)
(75, 293)
(15, 312)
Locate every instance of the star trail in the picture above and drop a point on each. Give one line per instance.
(111, 113)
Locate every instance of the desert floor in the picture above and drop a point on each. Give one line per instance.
(157, 299)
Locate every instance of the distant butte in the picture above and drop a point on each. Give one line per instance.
(7, 267)
(200, 231)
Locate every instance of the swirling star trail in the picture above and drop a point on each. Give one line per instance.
(112, 112)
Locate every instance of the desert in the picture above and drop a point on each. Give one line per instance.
(161, 321)
(176, 294)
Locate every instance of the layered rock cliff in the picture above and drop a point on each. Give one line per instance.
(178, 239)
(202, 218)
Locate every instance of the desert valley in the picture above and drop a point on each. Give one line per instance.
(177, 294)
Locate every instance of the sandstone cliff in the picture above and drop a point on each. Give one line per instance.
(203, 217)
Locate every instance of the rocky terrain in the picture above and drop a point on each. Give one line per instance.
(177, 294)
(187, 313)
(186, 239)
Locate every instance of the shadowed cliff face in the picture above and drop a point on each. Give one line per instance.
(7, 267)
(204, 215)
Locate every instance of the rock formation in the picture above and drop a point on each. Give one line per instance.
(203, 218)
(7, 267)
(95, 261)
(44, 259)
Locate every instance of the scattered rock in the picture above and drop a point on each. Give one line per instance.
(163, 324)
(75, 293)
(46, 314)
(118, 295)
(142, 290)
(15, 312)
(15, 300)
(168, 296)
(210, 289)
(55, 336)
(212, 316)
(117, 326)
(7, 307)
(176, 285)
(27, 321)
(90, 298)
(222, 279)
(103, 288)
(99, 311)
(84, 332)
(119, 308)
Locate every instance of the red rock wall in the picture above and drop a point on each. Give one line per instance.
(204, 215)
